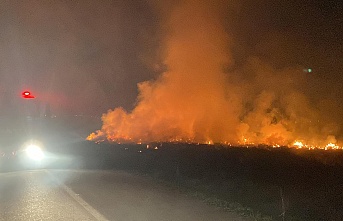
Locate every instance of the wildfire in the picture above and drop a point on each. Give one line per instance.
(329, 146)
(195, 101)
(296, 144)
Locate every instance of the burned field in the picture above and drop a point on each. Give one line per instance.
(259, 182)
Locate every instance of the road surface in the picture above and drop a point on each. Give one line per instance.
(96, 195)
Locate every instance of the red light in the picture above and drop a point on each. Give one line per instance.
(27, 94)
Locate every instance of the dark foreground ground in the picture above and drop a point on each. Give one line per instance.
(306, 185)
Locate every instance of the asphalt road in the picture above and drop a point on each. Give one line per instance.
(96, 195)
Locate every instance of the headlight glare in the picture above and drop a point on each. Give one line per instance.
(34, 152)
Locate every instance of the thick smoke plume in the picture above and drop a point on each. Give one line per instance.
(200, 98)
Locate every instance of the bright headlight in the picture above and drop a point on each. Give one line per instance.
(34, 152)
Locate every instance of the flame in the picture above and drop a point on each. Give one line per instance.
(332, 146)
(298, 144)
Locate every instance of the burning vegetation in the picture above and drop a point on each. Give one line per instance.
(203, 98)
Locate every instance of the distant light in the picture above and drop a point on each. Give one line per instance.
(27, 94)
(308, 70)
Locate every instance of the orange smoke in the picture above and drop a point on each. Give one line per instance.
(195, 100)
(189, 102)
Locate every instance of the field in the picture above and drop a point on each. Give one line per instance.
(263, 183)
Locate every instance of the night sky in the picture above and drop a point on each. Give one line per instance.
(88, 56)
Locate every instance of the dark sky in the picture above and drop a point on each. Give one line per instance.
(87, 56)
(307, 32)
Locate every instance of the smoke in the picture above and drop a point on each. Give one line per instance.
(202, 97)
